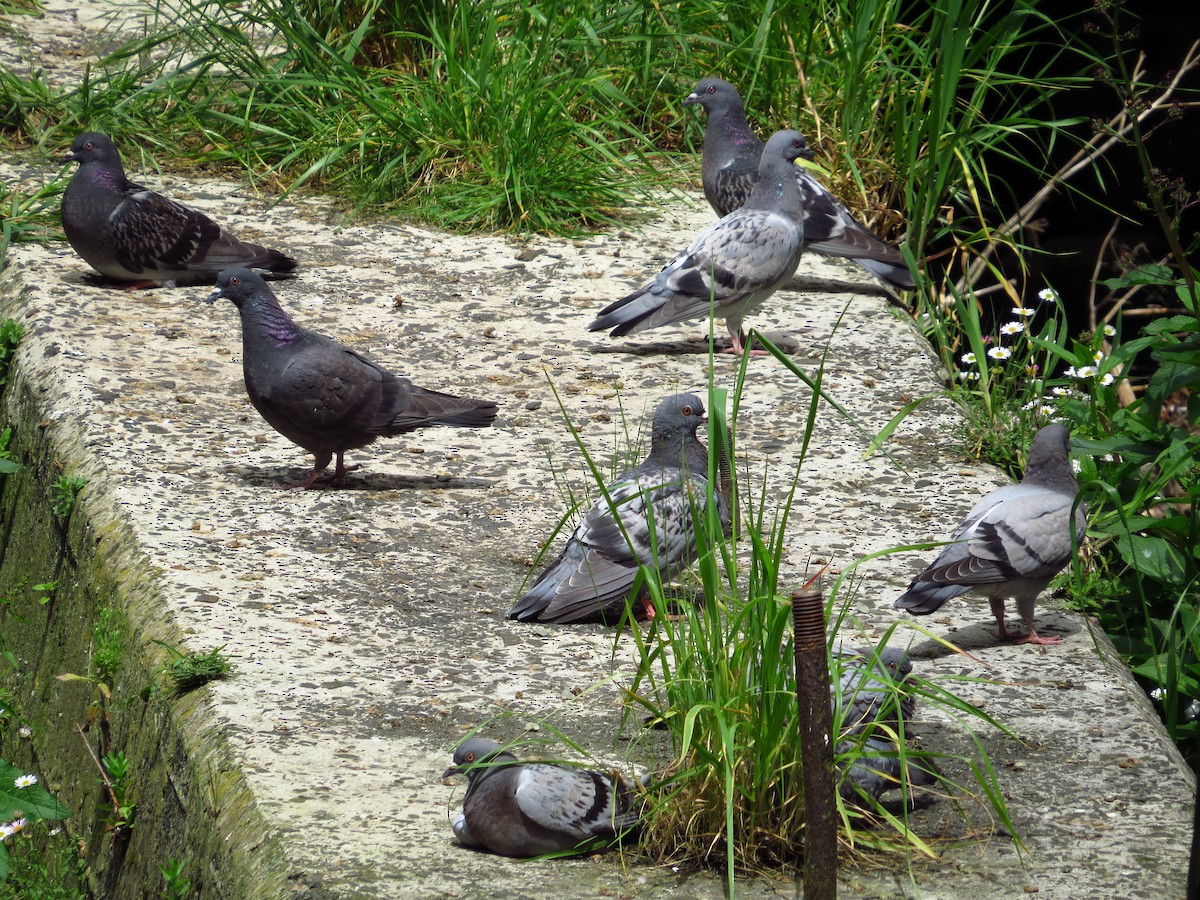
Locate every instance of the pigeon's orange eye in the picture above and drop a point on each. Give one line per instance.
(89, 146)
(235, 280)
(470, 757)
(712, 88)
(687, 410)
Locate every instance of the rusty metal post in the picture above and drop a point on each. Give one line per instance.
(816, 743)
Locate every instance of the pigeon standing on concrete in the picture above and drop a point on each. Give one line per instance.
(729, 169)
(528, 809)
(735, 264)
(870, 693)
(130, 233)
(650, 522)
(1012, 543)
(322, 395)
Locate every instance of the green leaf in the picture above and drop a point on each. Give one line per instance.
(1154, 558)
(33, 802)
(7, 467)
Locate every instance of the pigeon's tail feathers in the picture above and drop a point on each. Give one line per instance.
(226, 251)
(629, 314)
(921, 771)
(577, 587)
(530, 606)
(895, 275)
(924, 597)
(627, 807)
(417, 407)
(276, 262)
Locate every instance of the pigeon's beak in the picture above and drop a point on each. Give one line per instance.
(807, 153)
(691, 99)
(71, 157)
(214, 296)
(453, 770)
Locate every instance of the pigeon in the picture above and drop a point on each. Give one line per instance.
(868, 689)
(595, 575)
(129, 233)
(533, 808)
(733, 265)
(1012, 543)
(322, 395)
(730, 168)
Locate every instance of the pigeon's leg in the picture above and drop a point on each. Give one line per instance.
(320, 462)
(1002, 633)
(1025, 608)
(738, 337)
(340, 470)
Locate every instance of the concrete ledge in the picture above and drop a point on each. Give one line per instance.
(367, 623)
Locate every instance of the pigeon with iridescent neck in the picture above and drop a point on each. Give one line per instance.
(322, 395)
(129, 233)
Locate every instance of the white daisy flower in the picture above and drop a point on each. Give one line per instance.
(1107, 378)
(968, 359)
(1109, 331)
(1010, 328)
(1046, 295)
(24, 781)
(999, 353)
(1023, 311)
(1086, 372)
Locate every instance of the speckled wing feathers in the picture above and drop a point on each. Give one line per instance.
(732, 265)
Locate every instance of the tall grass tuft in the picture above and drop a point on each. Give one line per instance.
(719, 677)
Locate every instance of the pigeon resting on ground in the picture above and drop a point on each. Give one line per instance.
(130, 233)
(596, 573)
(322, 395)
(873, 702)
(528, 809)
(730, 169)
(1012, 543)
(735, 264)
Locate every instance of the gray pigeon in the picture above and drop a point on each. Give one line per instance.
(735, 264)
(1012, 543)
(870, 695)
(322, 395)
(596, 573)
(130, 233)
(730, 168)
(529, 809)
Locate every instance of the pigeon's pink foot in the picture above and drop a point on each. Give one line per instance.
(341, 469)
(306, 484)
(1032, 637)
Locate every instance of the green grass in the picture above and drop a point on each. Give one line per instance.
(553, 116)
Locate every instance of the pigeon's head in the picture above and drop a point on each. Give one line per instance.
(474, 751)
(679, 413)
(791, 145)
(896, 662)
(714, 96)
(236, 285)
(93, 146)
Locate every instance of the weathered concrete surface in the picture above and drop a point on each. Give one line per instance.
(367, 622)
